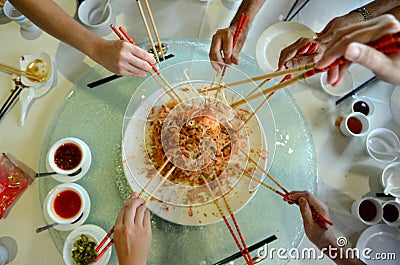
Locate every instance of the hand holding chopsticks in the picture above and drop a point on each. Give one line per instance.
(132, 233)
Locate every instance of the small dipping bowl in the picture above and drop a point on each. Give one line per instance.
(386, 135)
(394, 170)
(340, 90)
(355, 124)
(364, 105)
(86, 7)
(67, 156)
(65, 203)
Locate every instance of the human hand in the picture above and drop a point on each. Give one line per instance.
(292, 56)
(222, 50)
(349, 42)
(318, 235)
(123, 58)
(132, 232)
(337, 23)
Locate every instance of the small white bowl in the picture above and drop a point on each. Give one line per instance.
(392, 168)
(95, 233)
(355, 121)
(69, 163)
(364, 105)
(62, 198)
(345, 86)
(86, 7)
(385, 135)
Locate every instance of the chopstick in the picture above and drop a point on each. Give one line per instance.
(251, 248)
(12, 70)
(239, 28)
(152, 66)
(113, 77)
(393, 46)
(147, 29)
(351, 93)
(109, 234)
(244, 252)
(318, 218)
(155, 30)
(10, 101)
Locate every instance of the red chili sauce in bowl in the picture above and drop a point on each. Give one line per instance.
(68, 156)
(67, 204)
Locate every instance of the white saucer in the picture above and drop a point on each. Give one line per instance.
(340, 90)
(274, 39)
(381, 239)
(86, 211)
(85, 167)
(95, 232)
(40, 88)
(395, 104)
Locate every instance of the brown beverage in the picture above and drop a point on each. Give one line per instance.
(390, 213)
(367, 210)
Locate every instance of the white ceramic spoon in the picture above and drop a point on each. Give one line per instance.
(96, 15)
(381, 147)
(25, 98)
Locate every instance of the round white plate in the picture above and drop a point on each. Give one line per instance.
(274, 39)
(85, 166)
(395, 104)
(196, 215)
(40, 88)
(94, 232)
(86, 211)
(382, 240)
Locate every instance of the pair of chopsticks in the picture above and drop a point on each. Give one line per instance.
(354, 91)
(148, 30)
(387, 44)
(11, 99)
(174, 96)
(251, 248)
(12, 70)
(109, 234)
(239, 28)
(244, 251)
(318, 218)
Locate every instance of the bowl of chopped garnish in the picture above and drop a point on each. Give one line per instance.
(80, 245)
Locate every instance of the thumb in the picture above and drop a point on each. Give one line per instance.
(305, 210)
(367, 56)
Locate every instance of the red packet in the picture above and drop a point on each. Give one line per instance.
(15, 177)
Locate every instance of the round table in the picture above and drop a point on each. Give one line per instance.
(95, 115)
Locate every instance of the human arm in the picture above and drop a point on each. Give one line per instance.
(375, 9)
(325, 240)
(350, 43)
(119, 57)
(132, 232)
(222, 40)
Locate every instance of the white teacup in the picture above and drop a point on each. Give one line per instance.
(67, 156)
(368, 210)
(391, 213)
(12, 13)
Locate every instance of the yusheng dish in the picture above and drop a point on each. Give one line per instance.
(202, 138)
(192, 141)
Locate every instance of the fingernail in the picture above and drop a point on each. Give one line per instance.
(353, 52)
(289, 64)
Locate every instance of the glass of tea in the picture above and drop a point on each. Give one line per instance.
(355, 124)
(391, 213)
(67, 156)
(368, 210)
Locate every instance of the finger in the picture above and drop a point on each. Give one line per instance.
(130, 210)
(140, 214)
(302, 60)
(305, 211)
(376, 61)
(147, 220)
(342, 70)
(290, 52)
(215, 50)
